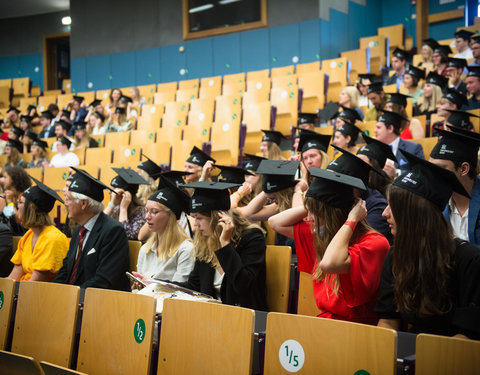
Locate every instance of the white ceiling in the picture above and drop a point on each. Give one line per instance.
(22, 8)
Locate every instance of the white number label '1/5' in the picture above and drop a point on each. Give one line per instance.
(291, 355)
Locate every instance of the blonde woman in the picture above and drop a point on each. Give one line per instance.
(270, 146)
(229, 250)
(119, 121)
(81, 138)
(13, 150)
(432, 94)
(38, 150)
(349, 98)
(168, 252)
(426, 51)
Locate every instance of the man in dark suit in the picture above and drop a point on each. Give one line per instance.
(399, 61)
(98, 255)
(387, 131)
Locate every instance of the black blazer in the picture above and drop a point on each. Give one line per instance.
(105, 257)
(245, 272)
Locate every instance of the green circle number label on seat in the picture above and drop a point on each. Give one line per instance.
(64, 176)
(1, 299)
(291, 355)
(361, 372)
(139, 331)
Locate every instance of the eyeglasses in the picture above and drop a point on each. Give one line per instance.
(153, 212)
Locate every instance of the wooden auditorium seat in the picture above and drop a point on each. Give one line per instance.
(45, 101)
(278, 259)
(256, 117)
(159, 152)
(312, 84)
(12, 363)
(180, 152)
(62, 100)
(45, 321)
(442, 355)
(427, 144)
(127, 155)
(52, 369)
(308, 345)
(36, 173)
(114, 139)
(186, 95)
(175, 114)
(189, 84)
(306, 304)
(142, 136)
(116, 334)
(210, 87)
(89, 96)
(377, 46)
(7, 288)
(205, 338)
(286, 102)
(99, 155)
(163, 97)
(55, 177)
(134, 250)
(282, 71)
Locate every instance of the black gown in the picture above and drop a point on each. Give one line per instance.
(464, 317)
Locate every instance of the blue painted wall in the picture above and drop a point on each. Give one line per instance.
(23, 66)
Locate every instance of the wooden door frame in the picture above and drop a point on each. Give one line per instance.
(45, 60)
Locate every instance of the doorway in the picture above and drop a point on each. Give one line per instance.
(56, 60)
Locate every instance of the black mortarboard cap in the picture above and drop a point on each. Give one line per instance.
(31, 134)
(456, 147)
(460, 119)
(42, 196)
(401, 54)
(399, 99)
(272, 136)
(95, 103)
(210, 196)
(128, 180)
(13, 109)
(375, 87)
(277, 174)
(78, 98)
(456, 97)
(436, 79)
(473, 71)
(349, 129)
(351, 165)
(26, 118)
(253, 162)
(432, 43)
(463, 131)
(307, 118)
(172, 197)
(80, 125)
(377, 150)
(42, 144)
(16, 144)
(349, 113)
(65, 113)
(476, 39)
(313, 141)
(333, 188)
(300, 131)
(149, 166)
(17, 131)
(30, 107)
(47, 114)
(329, 111)
(415, 72)
(126, 99)
(198, 157)
(174, 177)
(429, 181)
(464, 34)
(120, 110)
(391, 118)
(84, 183)
(66, 141)
(99, 115)
(456, 63)
(233, 175)
(443, 49)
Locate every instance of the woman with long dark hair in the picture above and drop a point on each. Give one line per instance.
(430, 281)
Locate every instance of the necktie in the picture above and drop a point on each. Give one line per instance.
(81, 238)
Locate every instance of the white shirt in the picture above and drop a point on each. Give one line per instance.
(467, 54)
(217, 282)
(67, 160)
(459, 223)
(177, 268)
(88, 226)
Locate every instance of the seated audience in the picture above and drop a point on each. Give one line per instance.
(473, 87)
(451, 100)
(64, 158)
(377, 97)
(81, 138)
(270, 146)
(348, 98)
(412, 128)
(411, 82)
(6, 250)
(432, 93)
(455, 68)
(13, 150)
(38, 150)
(399, 62)
(462, 41)
(440, 59)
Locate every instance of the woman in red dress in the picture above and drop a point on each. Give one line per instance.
(335, 244)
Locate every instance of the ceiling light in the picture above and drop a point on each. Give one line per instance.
(224, 2)
(201, 8)
(66, 20)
